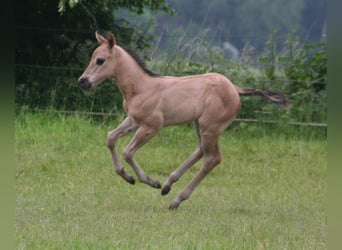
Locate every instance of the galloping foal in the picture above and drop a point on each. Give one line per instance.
(152, 102)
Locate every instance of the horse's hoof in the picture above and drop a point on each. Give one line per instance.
(131, 181)
(173, 206)
(156, 184)
(165, 190)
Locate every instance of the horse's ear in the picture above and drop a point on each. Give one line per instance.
(111, 40)
(99, 38)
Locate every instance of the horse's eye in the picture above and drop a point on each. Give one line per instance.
(100, 61)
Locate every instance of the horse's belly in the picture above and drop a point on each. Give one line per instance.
(181, 113)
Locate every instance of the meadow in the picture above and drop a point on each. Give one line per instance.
(269, 192)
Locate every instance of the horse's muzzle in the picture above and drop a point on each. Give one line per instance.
(84, 83)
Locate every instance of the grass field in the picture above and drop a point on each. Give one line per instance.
(269, 192)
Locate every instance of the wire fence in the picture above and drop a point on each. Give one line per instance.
(79, 69)
(117, 114)
(42, 67)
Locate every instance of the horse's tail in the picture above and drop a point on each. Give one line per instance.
(275, 97)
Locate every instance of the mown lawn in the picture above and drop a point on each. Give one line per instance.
(269, 192)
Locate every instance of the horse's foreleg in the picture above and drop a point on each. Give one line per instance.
(143, 135)
(126, 127)
(211, 159)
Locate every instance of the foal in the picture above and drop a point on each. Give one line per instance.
(152, 102)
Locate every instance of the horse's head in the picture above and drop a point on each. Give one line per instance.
(100, 66)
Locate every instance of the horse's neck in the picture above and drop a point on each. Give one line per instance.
(130, 77)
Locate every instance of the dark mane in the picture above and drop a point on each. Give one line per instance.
(140, 61)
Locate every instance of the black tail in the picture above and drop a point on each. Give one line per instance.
(275, 97)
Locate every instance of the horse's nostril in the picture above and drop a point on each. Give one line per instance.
(81, 80)
(84, 83)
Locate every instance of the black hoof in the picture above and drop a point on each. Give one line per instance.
(157, 185)
(165, 190)
(131, 181)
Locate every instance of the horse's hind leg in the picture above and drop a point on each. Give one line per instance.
(211, 159)
(175, 175)
(143, 135)
(126, 127)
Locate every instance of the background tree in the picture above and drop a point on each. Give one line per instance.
(61, 35)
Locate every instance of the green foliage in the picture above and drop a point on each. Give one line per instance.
(62, 5)
(305, 67)
(269, 61)
(54, 45)
(136, 6)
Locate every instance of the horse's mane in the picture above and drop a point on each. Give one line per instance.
(140, 61)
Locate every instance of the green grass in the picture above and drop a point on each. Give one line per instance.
(269, 192)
